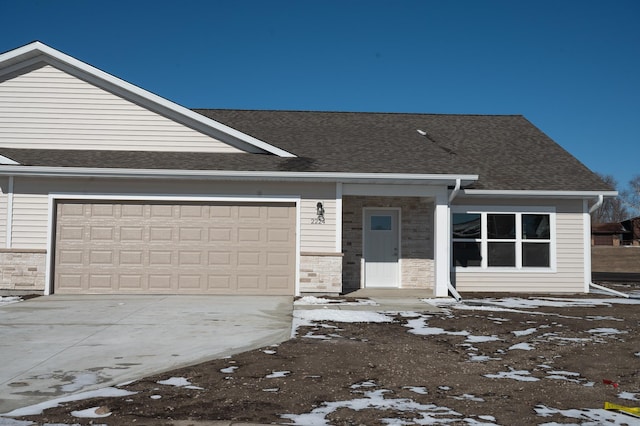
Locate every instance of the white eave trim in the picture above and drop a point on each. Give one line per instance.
(81, 172)
(33, 52)
(536, 193)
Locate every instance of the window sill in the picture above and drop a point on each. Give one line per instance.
(505, 270)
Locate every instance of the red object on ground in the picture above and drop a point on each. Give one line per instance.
(609, 382)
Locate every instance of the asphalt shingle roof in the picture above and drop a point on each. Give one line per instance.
(506, 151)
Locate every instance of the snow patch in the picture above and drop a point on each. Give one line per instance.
(597, 416)
(313, 300)
(90, 413)
(80, 380)
(605, 331)
(277, 374)
(528, 331)
(179, 382)
(468, 397)
(37, 409)
(6, 300)
(228, 370)
(629, 395)
(482, 339)
(520, 375)
(522, 347)
(417, 389)
(430, 413)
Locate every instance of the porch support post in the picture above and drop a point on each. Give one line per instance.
(442, 253)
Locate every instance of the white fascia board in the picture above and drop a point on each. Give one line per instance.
(38, 171)
(535, 193)
(37, 52)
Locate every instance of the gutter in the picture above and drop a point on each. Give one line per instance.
(80, 172)
(536, 193)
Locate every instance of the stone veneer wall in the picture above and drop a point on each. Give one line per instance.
(321, 273)
(416, 232)
(22, 271)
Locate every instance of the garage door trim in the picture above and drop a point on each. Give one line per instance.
(54, 198)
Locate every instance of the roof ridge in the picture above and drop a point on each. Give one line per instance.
(358, 112)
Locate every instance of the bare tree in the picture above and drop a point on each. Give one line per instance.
(631, 196)
(612, 209)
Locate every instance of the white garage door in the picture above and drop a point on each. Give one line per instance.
(169, 248)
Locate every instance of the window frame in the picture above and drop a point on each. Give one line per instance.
(519, 241)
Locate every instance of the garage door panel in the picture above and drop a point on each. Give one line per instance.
(160, 234)
(159, 282)
(191, 248)
(131, 282)
(277, 282)
(132, 234)
(220, 283)
(101, 281)
(160, 258)
(70, 257)
(102, 210)
(71, 233)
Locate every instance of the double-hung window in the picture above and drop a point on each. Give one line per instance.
(503, 239)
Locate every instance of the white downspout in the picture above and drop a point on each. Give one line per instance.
(452, 289)
(597, 205)
(593, 208)
(455, 191)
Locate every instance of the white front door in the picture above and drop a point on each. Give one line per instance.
(381, 248)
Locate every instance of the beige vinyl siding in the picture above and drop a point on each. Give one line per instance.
(32, 197)
(318, 237)
(48, 108)
(30, 217)
(569, 273)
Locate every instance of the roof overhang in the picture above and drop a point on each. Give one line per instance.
(81, 172)
(535, 193)
(36, 53)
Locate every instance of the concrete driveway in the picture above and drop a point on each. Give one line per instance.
(55, 345)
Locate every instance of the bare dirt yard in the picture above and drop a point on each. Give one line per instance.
(493, 360)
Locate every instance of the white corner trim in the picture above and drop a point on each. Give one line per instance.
(338, 214)
(31, 52)
(9, 232)
(586, 224)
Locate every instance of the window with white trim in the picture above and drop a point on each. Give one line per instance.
(512, 240)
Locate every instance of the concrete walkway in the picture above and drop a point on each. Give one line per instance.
(56, 345)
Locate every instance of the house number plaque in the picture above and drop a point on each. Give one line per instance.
(319, 219)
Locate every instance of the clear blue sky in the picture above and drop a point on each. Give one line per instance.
(572, 67)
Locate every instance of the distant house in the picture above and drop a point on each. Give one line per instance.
(609, 234)
(625, 233)
(109, 188)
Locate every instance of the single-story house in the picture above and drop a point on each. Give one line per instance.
(609, 234)
(109, 188)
